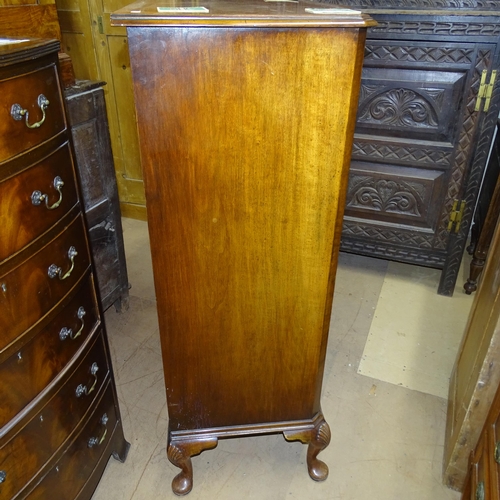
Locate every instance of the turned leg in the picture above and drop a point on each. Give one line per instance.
(476, 268)
(180, 453)
(317, 440)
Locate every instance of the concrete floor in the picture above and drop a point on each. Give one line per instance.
(387, 439)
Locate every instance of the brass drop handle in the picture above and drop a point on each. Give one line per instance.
(18, 112)
(57, 271)
(480, 491)
(37, 196)
(82, 390)
(96, 441)
(68, 332)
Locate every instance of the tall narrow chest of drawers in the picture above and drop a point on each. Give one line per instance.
(245, 168)
(59, 416)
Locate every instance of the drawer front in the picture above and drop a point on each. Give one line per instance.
(34, 200)
(24, 90)
(69, 475)
(28, 371)
(32, 446)
(28, 292)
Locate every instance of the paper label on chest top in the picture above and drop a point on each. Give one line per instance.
(340, 12)
(183, 10)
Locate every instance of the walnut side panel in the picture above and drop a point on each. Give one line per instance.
(245, 170)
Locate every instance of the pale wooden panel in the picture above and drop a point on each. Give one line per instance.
(113, 56)
(105, 73)
(134, 211)
(103, 56)
(115, 30)
(77, 37)
(105, 8)
(71, 21)
(131, 190)
(112, 5)
(76, 45)
(68, 5)
(122, 81)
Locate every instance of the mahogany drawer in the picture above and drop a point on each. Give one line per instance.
(25, 213)
(27, 292)
(28, 371)
(23, 454)
(68, 476)
(24, 90)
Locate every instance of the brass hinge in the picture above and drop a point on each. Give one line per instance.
(486, 90)
(99, 23)
(456, 215)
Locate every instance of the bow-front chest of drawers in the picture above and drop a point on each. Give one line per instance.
(59, 416)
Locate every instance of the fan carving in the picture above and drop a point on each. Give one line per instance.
(399, 107)
(385, 196)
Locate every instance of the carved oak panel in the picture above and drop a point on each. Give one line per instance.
(409, 103)
(395, 194)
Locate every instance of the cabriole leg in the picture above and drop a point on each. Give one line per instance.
(180, 453)
(317, 440)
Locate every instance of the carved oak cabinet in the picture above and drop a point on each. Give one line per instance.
(424, 125)
(95, 169)
(59, 415)
(245, 115)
